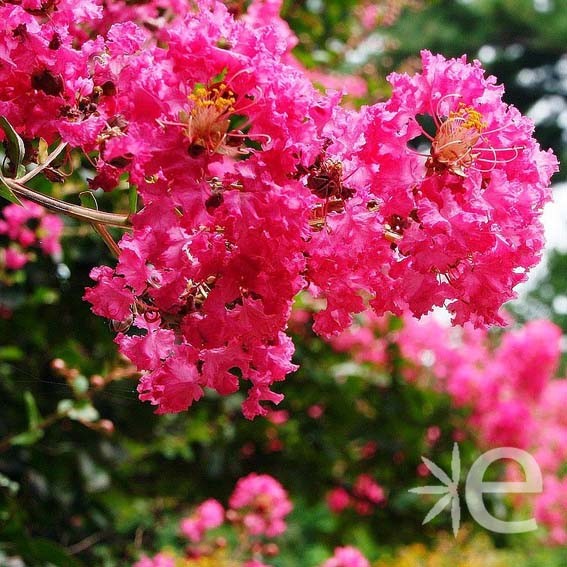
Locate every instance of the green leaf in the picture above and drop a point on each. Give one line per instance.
(15, 148)
(237, 121)
(40, 551)
(34, 433)
(88, 200)
(133, 200)
(11, 353)
(34, 417)
(79, 410)
(7, 193)
(27, 437)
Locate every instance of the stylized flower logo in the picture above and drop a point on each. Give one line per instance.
(449, 490)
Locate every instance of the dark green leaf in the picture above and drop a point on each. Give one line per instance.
(42, 551)
(133, 200)
(34, 417)
(88, 200)
(7, 193)
(27, 437)
(15, 148)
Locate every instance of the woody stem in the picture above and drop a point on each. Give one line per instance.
(75, 211)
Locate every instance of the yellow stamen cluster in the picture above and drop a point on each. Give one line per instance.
(472, 119)
(219, 97)
(208, 121)
(452, 148)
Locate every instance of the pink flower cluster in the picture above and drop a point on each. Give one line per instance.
(364, 496)
(255, 185)
(510, 389)
(513, 393)
(207, 516)
(464, 236)
(258, 508)
(262, 505)
(347, 557)
(159, 560)
(28, 226)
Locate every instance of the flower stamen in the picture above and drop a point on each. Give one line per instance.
(460, 140)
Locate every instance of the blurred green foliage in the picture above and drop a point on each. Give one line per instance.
(75, 486)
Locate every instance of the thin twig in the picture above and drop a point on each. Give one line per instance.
(89, 541)
(107, 237)
(31, 174)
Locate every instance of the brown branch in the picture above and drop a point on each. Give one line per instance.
(76, 211)
(84, 544)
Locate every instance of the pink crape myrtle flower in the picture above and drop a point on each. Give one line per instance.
(551, 509)
(261, 504)
(31, 225)
(327, 199)
(194, 269)
(509, 423)
(255, 186)
(152, 14)
(550, 437)
(361, 341)
(207, 516)
(13, 259)
(159, 560)
(338, 499)
(347, 557)
(58, 94)
(278, 417)
(368, 493)
(366, 487)
(369, 14)
(49, 234)
(463, 216)
(28, 226)
(530, 357)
